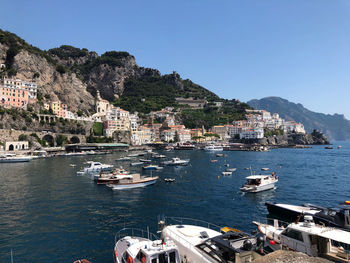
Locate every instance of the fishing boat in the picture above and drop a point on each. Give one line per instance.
(13, 158)
(177, 161)
(213, 147)
(135, 181)
(141, 246)
(259, 183)
(152, 167)
(310, 238)
(96, 167)
(200, 241)
(334, 217)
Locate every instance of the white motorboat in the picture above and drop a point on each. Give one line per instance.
(213, 147)
(258, 183)
(95, 167)
(231, 169)
(136, 163)
(310, 238)
(226, 173)
(265, 169)
(169, 180)
(176, 161)
(13, 158)
(136, 245)
(199, 241)
(135, 181)
(145, 160)
(75, 154)
(152, 167)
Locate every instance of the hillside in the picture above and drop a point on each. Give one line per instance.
(73, 75)
(335, 127)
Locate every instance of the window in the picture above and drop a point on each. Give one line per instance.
(172, 257)
(162, 258)
(293, 234)
(154, 260)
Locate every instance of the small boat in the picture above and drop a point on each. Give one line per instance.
(176, 161)
(72, 165)
(309, 238)
(104, 176)
(213, 161)
(259, 183)
(75, 154)
(328, 147)
(159, 156)
(169, 180)
(13, 158)
(152, 167)
(220, 155)
(135, 181)
(265, 169)
(136, 245)
(213, 147)
(226, 165)
(145, 160)
(185, 146)
(226, 173)
(126, 158)
(231, 169)
(136, 163)
(96, 167)
(339, 147)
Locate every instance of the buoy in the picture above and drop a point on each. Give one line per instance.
(272, 242)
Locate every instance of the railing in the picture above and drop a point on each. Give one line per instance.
(188, 221)
(135, 232)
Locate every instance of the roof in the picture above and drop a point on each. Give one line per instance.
(323, 231)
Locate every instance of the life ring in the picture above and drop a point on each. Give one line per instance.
(130, 259)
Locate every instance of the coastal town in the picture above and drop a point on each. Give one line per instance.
(155, 127)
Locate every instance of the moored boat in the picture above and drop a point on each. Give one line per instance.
(176, 161)
(259, 183)
(199, 241)
(96, 167)
(13, 158)
(309, 238)
(135, 181)
(152, 167)
(141, 246)
(213, 147)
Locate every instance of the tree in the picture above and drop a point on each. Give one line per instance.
(36, 75)
(23, 137)
(61, 140)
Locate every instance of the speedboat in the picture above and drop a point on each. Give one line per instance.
(136, 245)
(258, 183)
(213, 147)
(199, 241)
(13, 158)
(310, 238)
(332, 217)
(135, 181)
(96, 167)
(177, 161)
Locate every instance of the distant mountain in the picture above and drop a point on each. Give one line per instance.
(335, 126)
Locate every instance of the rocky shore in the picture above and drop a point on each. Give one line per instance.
(282, 256)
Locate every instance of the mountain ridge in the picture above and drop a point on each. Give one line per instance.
(336, 126)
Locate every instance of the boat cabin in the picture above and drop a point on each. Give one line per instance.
(316, 240)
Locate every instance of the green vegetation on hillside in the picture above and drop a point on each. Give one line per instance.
(153, 93)
(66, 52)
(211, 116)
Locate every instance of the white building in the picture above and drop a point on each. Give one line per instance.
(184, 135)
(292, 126)
(167, 135)
(256, 133)
(16, 146)
(134, 121)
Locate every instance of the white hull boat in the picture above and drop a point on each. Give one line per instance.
(176, 161)
(259, 183)
(15, 159)
(135, 181)
(213, 148)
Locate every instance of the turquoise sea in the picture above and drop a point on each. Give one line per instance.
(49, 214)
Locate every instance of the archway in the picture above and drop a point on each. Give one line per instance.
(49, 139)
(22, 146)
(11, 148)
(74, 140)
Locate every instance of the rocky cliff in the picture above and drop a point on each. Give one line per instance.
(73, 76)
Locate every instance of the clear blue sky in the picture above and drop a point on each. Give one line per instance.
(298, 50)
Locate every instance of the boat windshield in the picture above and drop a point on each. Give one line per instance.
(254, 181)
(223, 248)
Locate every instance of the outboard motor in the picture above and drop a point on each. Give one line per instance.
(260, 241)
(247, 245)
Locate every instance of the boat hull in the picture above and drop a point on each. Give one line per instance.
(15, 160)
(133, 185)
(258, 189)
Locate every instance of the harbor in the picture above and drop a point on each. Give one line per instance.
(48, 207)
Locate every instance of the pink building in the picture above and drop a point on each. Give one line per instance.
(14, 97)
